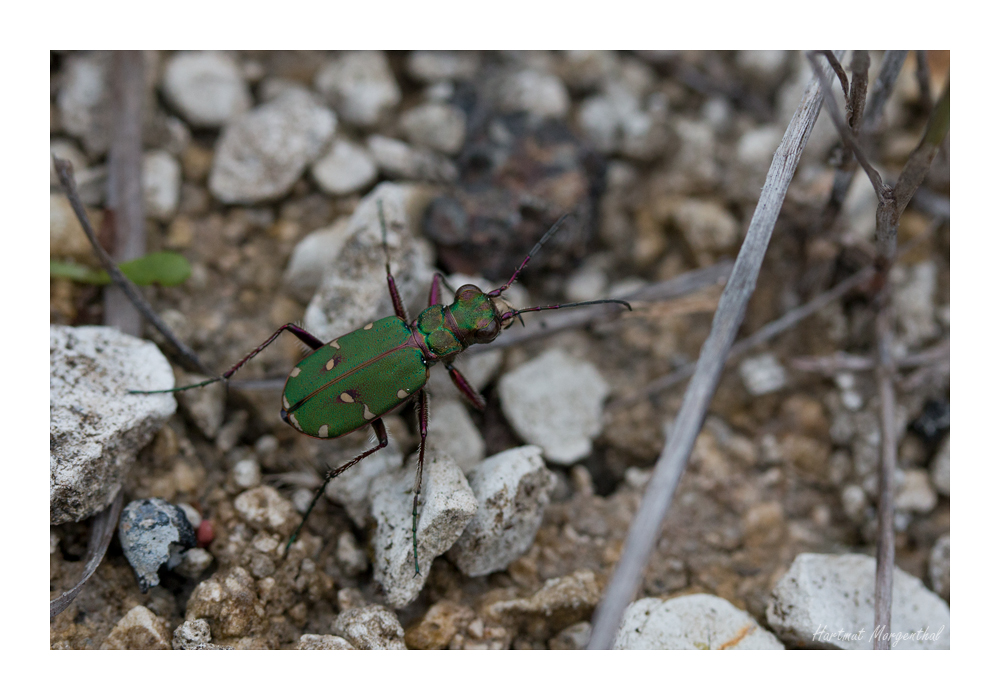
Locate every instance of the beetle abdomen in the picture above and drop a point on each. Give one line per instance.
(352, 380)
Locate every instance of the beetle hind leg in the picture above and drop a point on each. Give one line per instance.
(383, 441)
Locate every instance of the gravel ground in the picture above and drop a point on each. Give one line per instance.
(263, 168)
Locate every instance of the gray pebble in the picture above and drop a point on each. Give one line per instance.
(152, 533)
(262, 153)
(447, 505)
(697, 621)
(555, 401)
(827, 601)
(206, 87)
(370, 627)
(161, 184)
(762, 374)
(513, 488)
(440, 127)
(360, 86)
(941, 467)
(96, 427)
(345, 168)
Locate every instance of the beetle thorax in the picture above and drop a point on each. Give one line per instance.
(447, 330)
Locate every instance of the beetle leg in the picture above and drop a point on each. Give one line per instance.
(300, 333)
(397, 301)
(468, 391)
(422, 414)
(383, 440)
(435, 296)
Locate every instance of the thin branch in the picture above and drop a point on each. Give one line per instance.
(732, 307)
(885, 371)
(101, 529)
(125, 197)
(924, 80)
(184, 355)
(892, 63)
(846, 362)
(840, 73)
(860, 63)
(919, 162)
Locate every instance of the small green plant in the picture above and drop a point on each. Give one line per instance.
(164, 268)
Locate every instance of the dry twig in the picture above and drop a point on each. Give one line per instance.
(183, 354)
(732, 307)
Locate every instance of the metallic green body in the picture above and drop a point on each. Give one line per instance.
(351, 381)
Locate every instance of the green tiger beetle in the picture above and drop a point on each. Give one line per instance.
(354, 380)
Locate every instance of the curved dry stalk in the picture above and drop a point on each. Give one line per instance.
(732, 307)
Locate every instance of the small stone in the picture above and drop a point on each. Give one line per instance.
(939, 567)
(66, 237)
(351, 557)
(190, 512)
(697, 621)
(539, 94)
(345, 168)
(353, 291)
(439, 625)
(827, 601)
(854, 502)
(262, 153)
(915, 494)
(228, 602)
(246, 473)
(762, 374)
(96, 428)
(755, 149)
(452, 432)
(432, 66)
(439, 127)
(313, 256)
(573, 637)
(941, 468)
(512, 488)
(192, 634)
(84, 101)
(323, 642)
(139, 629)
(399, 160)
(555, 401)
(370, 627)
(708, 228)
(152, 533)
(194, 563)
(447, 505)
(161, 184)
(206, 87)
(559, 603)
(913, 301)
(360, 86)
(206, 406)
(264, 508)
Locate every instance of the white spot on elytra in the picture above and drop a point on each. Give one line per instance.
(284, 402)
(346, 398)
(329, 364)
(294, 421)
(402, 394)
(368, 414)
(334, 344)
(296, 371)
(369, 326)
(324, 431)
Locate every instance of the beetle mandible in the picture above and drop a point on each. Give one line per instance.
(354, 380)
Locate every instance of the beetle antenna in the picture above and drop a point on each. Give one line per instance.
(548, 234)
(516, 313)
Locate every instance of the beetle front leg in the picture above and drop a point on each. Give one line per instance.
(468, 391)
(383, 441)
(422, 416)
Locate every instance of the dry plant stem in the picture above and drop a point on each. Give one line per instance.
(845, 362)
(184, 355)
(892, 63)
(839, 71)
(885, 561)
(924, 80)
(732, 306)
(765, 333)
(860, 62)
(101, 529)
(125, 197)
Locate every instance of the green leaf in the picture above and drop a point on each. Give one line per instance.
(164, 268)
